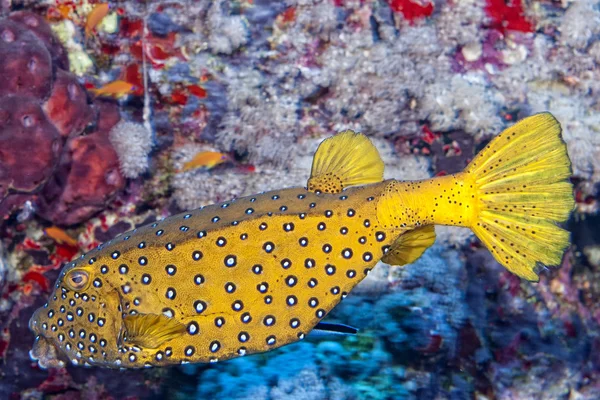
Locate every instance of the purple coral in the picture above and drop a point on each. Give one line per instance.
(87, 178)
(25, 131)
(25, 63)
(43, 109)
(36, 25)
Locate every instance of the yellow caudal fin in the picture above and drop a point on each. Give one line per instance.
(343, 160)
(522, 192)
(410, 246)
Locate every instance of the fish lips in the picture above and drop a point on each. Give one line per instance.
(46, 354)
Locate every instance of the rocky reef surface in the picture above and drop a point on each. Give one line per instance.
(262, 83)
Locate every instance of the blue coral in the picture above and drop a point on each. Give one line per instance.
(392, 326)
(245, 376)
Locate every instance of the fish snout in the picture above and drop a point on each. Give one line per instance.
(35, 323)
(45, 354)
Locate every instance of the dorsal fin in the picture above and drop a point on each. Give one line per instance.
(150, 330)
(343, 160)
(410, 245)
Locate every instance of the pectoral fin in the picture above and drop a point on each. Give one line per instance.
(151, 330)
(410, 246)
(343, 160)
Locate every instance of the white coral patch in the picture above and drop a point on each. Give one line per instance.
(467, 103)
(133, 143)
(227, 33)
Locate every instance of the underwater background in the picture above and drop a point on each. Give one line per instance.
(113, 117)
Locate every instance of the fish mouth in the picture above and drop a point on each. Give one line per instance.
(43, 351)
(45, 354)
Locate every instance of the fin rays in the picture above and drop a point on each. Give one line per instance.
(151, 330)
(410, 246)
(343, 160)
(523, 193)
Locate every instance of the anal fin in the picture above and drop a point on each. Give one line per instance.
(327, 328)
(343, 160)
(410, 246)
(151, 330)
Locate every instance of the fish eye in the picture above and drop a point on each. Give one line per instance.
(77, 279)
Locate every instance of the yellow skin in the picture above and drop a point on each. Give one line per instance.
(327, 238)
(259, 272)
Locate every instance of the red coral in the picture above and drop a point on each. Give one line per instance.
(131, 28)
(68, 106)
(39, 279)
(132, 74)
(508, 15)
(179, 97)
(157, 49)
(88, 176)
(197, 91)
(427, 135)
(412, 9)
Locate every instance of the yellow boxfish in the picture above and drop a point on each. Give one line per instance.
(259, 272)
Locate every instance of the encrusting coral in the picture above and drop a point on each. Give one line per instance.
(87, 177)
(45, 110)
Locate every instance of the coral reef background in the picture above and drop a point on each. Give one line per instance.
(263, 82)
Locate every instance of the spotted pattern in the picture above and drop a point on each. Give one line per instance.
(241, 277)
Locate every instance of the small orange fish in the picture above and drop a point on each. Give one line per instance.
(95, 17)
(60, 236)
(206, 159)
(59, 13)
(115, 89)
(65, 11)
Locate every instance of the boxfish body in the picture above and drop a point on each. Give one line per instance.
(259, 272)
